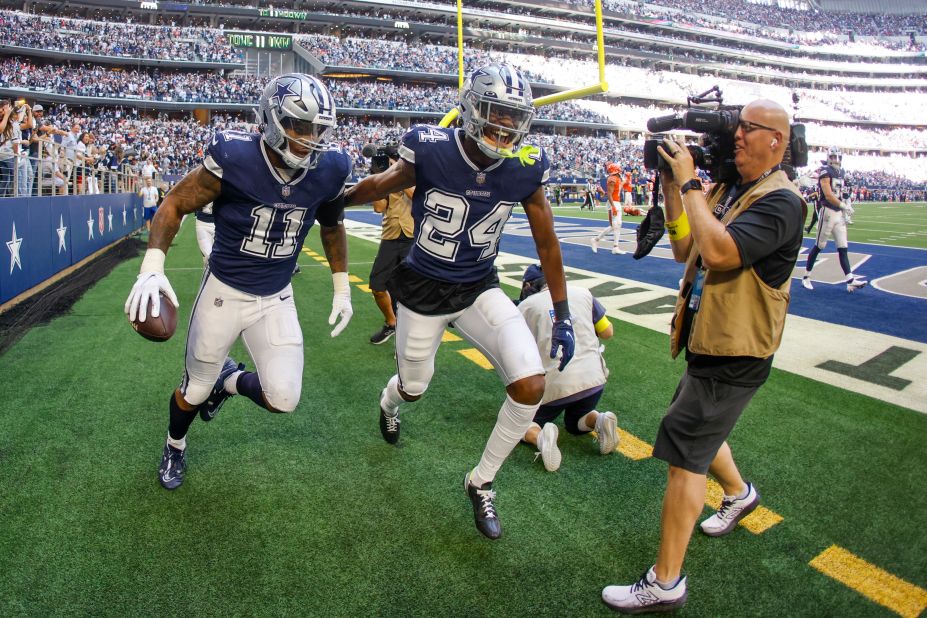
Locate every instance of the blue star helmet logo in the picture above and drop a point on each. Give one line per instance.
(284, 90)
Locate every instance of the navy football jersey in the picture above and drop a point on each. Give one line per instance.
(261, 218)
(836, 185)
(458, 208)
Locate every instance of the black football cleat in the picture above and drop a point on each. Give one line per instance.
(484, 511)
(210, 408)
(389, 426)
(172, 468)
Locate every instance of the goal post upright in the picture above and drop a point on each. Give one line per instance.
(557, 97)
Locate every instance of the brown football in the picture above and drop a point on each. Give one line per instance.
(162, 327)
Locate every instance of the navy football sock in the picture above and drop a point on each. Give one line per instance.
(844, 260)
(249, 385)
(179, 420)
(812, 256)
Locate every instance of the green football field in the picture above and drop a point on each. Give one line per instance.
(312, 514)
(884, 223)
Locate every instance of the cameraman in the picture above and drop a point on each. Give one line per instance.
(395, 242)
(740, 245)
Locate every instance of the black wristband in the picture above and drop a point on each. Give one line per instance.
(561, 310)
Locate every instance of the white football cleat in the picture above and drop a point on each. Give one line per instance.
(547, 445)
(855, 283)
(606, 429)
(806, 283)
(595, 245)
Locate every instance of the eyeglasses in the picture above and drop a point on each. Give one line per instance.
(750, 127)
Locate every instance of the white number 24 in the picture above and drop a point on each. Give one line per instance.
(445, 218)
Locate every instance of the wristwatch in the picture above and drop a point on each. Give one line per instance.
(695, 183)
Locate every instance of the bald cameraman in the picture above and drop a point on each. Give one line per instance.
(395, 242)
(739, 245)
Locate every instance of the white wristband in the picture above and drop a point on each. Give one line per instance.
(153, 262)
(340, 283)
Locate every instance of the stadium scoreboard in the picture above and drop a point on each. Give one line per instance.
(260, 41)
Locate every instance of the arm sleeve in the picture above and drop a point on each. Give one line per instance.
(599, 319)
(409, 144)
(213, 159)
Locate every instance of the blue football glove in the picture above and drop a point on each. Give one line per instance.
(562, 337)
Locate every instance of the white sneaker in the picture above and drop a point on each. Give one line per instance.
(806, 283)
(732, 511)
(547, 445)
(595, 245)
(606, 429)
(855, 283)
(617, 251)
(646, 596)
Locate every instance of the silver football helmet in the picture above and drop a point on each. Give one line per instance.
(296, 115)
(496, 108)
(834, 157)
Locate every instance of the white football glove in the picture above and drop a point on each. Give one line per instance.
(147, 286)
(341, 303)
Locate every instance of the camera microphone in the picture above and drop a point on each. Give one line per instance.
(369, 150)
(663, 123)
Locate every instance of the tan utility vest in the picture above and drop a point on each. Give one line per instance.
(739, 314)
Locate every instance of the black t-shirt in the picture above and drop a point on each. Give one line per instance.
(768, 236)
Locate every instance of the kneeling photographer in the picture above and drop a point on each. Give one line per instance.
(740, 244)
(395, 239)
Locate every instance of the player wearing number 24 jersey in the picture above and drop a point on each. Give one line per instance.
(267, 190)
(467, 181)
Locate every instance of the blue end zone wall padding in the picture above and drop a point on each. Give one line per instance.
(42, 236)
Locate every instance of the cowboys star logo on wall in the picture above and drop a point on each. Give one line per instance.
(285, 89)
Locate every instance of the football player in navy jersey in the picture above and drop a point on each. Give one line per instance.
(833, 221)
(267, 189)
(467, 182)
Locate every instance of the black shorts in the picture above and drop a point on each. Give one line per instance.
(389, 256)
(574, 411)
(699, 419)
(429, 296)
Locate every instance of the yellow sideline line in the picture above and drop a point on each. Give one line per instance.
(632, 447)
(878, 585)
(476, 356)
(449, 337)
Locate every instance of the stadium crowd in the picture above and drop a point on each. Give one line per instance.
(116, 83)
(80, 36)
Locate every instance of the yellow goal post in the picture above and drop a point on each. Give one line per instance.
(557, 97)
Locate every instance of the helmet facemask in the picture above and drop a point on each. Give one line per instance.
(309, 138)
(497, 126)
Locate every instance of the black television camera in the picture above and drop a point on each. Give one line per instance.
(715, 153)
(380, 154)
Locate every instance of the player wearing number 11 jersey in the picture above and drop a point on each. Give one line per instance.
(267, 190)
(467, 181)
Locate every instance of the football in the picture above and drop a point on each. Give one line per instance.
(162, 327)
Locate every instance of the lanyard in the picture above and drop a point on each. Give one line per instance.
(736, 191)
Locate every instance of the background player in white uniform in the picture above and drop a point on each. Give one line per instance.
(612, 194)
(205, 230)
(833, 221)
(267, 190)
(577, 389)
(467, 181)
